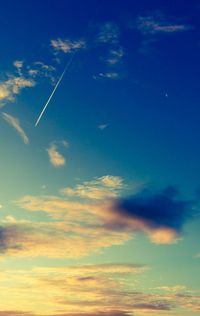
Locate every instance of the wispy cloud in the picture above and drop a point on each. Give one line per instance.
(55, 157)
(66, 45)
(108, 33)
(107, 75)
(15, 123)
(11, 87)
(39, 69)
(99, 219)
(157, 23)
(115, 56)
(70, 289)
(109, 38)
(174, 289)
(56, 239)
(18, 64)
(100, 188)
(24, 76)
(102, 126)
(95, 290)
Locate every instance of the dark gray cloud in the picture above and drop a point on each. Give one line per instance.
(8, 238)
(157, 210)
(163, 306)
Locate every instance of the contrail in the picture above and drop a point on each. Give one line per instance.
(55, 88)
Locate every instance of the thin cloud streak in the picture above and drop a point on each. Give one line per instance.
(158, 23)
(15, 123)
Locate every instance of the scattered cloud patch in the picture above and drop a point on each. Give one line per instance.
(102, 126)
(18, 64)
(15, 123)
(91, 216)
(152, 24)
(66, 238)
(115, 56)
(112, 52)
(40, 69)
(55, 157)
(108, 33)
(15, 313)
(107, 75)
(176, 288)
(100, 188)
(67, 46)
(73, 289)
(11, 87)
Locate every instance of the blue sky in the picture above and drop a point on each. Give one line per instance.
(99, 202)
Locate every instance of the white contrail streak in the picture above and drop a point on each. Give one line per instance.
(54, 90)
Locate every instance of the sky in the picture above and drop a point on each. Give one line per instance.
(99, 164)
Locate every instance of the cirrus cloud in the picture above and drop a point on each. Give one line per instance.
(158, 23)
(15, 123)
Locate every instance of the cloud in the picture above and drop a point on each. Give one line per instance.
(100, 313)
(100, 188)
(99, 219)
(15, 313)
(19, 65)
(88, 272)
(102, 126)
(160, 215)
(70, 288)
(115, 56)
(88, 290)
(157, 23)
(39, 69)
(109, 33)
(67, 46)
(56, 239)
(176, 288)
(56, 158)
(11, 87)
(109, 36)
(113, 75)
(24, 77)
(15, 123)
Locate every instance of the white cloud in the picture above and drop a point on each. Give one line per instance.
(15, 123)
(175, 288)
(19, 65)
(55, 157)
(23, 77)
(102, 126)
(100, 188)
(109, 75)
(66, 45)
(158, 24)
(109, 33)
(115, 55)
(13, 86)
